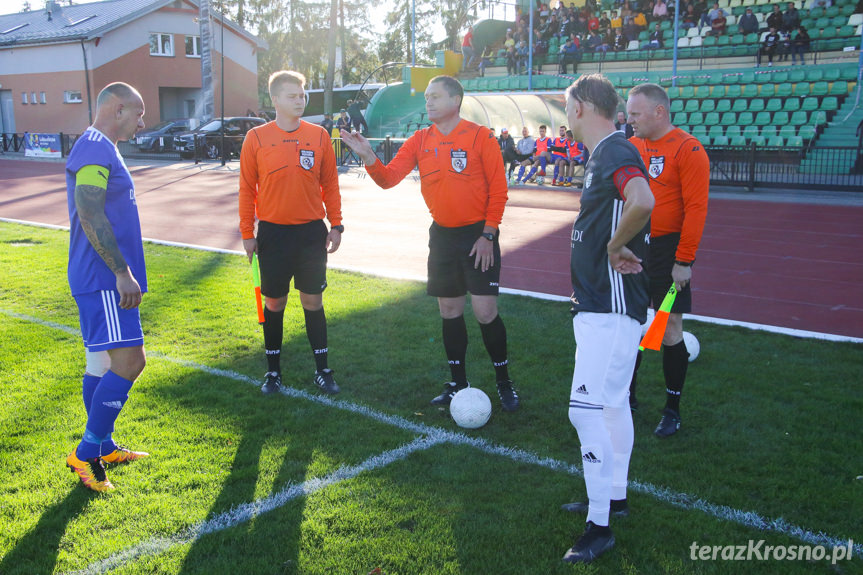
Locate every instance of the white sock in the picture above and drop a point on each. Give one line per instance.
(596, 458)
(618, 421)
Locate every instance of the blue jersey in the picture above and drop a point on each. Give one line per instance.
(87, 271)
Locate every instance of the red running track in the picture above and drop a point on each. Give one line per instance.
(792, 264)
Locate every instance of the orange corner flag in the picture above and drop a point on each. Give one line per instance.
(653, 338)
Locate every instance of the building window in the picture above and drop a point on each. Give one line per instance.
(193, 46)
(43, 98)
(72, 97)
(161, 45)
(33, 97)
(24, 98)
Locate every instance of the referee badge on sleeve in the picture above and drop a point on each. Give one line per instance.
(458, 158)
(307, 159)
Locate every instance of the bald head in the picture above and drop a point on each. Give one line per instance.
(119, 111)
(119, 90)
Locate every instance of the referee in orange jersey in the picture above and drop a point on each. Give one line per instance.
(463, 183)
(288, 179)
(679, 172)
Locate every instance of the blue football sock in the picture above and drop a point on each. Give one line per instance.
(108, 399)
(520, 172)
(530, 174)
(543, 162)
(87, 388)
(556, 168)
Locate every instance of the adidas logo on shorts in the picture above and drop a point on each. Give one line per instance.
(582, 390)
(589, 457)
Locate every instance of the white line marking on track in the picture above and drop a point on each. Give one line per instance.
(665, 495)
(536, 295)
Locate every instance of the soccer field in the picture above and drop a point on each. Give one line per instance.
(376, 478)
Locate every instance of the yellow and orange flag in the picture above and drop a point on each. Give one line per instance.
(653, 338)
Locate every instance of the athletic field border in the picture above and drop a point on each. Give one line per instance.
(429, 436)
(536, 295)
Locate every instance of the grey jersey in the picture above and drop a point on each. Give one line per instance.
(526, 146)
(596, 286)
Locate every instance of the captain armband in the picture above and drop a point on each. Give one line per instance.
(92, 175)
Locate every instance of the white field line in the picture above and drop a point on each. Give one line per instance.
(532, 294)
(665, 495)
(248, 511)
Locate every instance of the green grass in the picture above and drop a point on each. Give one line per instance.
(771, 425)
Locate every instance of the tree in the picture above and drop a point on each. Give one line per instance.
(396, 45)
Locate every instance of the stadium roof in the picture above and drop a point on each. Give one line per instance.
(86, 21)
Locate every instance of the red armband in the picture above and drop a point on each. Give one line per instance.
(622, 177)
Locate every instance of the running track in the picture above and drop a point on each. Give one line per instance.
(792, 264)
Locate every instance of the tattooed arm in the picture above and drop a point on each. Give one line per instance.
(90, 204)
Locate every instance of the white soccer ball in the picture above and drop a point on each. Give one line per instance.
(470, 408)
(692, 345)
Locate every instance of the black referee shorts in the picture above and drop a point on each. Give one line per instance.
(660, 260)
(451, 271)
(298, 252)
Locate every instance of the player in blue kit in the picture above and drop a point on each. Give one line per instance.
(107, 277)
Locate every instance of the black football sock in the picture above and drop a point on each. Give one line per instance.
(316, 330)
(273, 327)
(634, 381)
(619, 504)
(455, 345)
(494, 338)
(675, 361)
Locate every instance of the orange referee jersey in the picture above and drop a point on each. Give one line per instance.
(679, 171)
(461, 176)
(288, 177)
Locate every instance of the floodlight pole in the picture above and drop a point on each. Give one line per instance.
(674, 47)
(413, 33)
(222, 129)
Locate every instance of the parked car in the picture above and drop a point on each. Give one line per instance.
(208, 137)
(160, 138)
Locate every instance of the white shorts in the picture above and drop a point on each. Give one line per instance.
(606, 347)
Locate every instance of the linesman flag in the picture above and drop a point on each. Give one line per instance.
(653, 338)
(256, 280)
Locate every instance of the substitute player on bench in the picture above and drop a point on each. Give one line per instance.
(288, 179)
(679, 171)
(463, 183)
(107, 276)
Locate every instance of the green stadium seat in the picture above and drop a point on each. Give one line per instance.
(728, 119)
(750, 132)
(791, 104)
(796, 76)
(720, 141)
(820, 89)
(807, 132)
(733, 131)
(809, 104)
(724, 40)
(708, 105)
(749, 39)
(700, 79)
(787, 131)
(687, 92)
(762, 118)
(767, 90)
(676, 106)
(775, 141)
(711, 119)
(831, 73)
(830, 104)
(815, 75)
(750, 90)
(691, 106)
(715, 131)
(730, 79)
(684, 81)
(779, 76)
(756, 105)
(839, 88)
(822, 22)
(696, 118)
(831, 11)
(734, 91)
(847, 10)
(802, 89)
(723, 105)
(673, 92)
(818, 117)
(740, 105)
(799, 118)
(698, 131)
(784, 90)
(846, 31)
(762, 78)
(794, 142)
(704, 139)
(773, 105)
(769, 131)
(837, 21)
(738, 141)
(848, 73)
(679, 118)
(745, 118)
(718, 91)
(780, 118)
(702, 92)
(758, 140)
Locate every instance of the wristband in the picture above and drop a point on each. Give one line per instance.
(340, 229)
(684, 264)
(488, 235)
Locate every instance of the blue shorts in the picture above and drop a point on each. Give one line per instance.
(104, 325)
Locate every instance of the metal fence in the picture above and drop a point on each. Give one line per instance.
(750, 167)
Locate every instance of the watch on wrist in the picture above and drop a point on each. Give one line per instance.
(340, 229)
(488, 235)
(684, 264)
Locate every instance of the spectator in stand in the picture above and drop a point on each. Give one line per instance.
(616, 22)
(620, 41)
(510, 41)
(655, 40)
(595, 43)
(511, 61)
(639, 20)
(327, 123)
(344, 122)
(799, 45)
(592, 23)
(621, 125)
(791, 18)
(707, 18)
(579, 26)
(521, 55)
(660, 10)
(774, 20)
(523, 151)
(784, 45)
(689, 18)
(467, 50)
(769, 46)
(569, 54)
(604, 24)
(565, 28)
(485, 60)
(748, 23)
